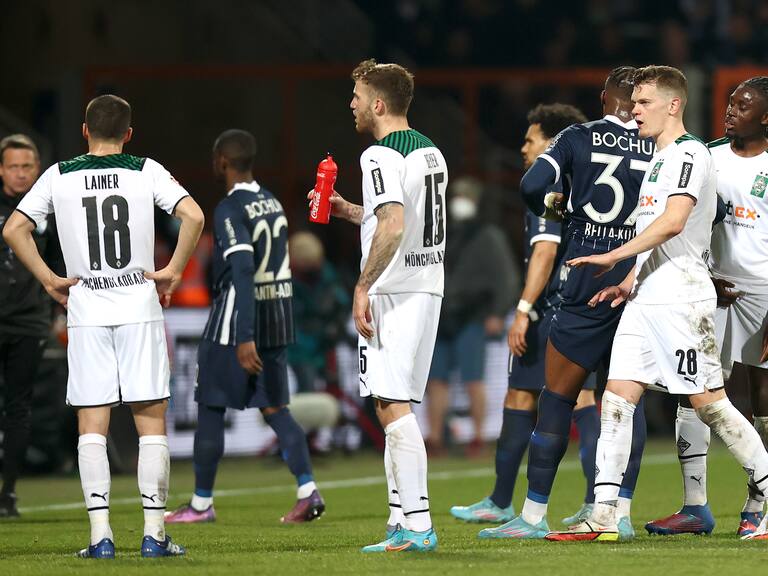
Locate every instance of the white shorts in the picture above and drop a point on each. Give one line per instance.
(739, 331)
(394, 364)
(670, 347)
(113, 364)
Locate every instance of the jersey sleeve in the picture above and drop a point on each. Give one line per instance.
(542, 230)
(230, 229)
(167, 191)
(687, 169)
(559, 154)
(38, 202)
(382, 176)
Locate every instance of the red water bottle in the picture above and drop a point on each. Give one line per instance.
(320, 209)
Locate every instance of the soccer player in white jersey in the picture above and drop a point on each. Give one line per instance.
(104, 203)
(666, 335)
(739, 266)
(398, 295)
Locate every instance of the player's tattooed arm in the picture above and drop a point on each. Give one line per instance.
(386, 240)
(341, 208)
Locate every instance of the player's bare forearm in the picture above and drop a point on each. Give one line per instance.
(347, 210)
(628, 282)
(540, 266)
(192, 221)
(668, 225)
(386, 241)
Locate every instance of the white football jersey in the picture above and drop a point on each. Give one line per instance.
(104, 208)
(405, 167)
(740, 244)
(676, 271)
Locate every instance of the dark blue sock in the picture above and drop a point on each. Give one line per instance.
(513, 441)
(635, 457)
(588, 423)
(293, 444)
(549, 442)
(208, 448)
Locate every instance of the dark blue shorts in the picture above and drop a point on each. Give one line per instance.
(222, 382)
(582, 334)
(526, 372)
(465, 351)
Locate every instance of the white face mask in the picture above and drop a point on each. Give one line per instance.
(462, 208)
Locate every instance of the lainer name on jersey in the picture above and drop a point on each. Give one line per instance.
(273, 291)
(100, 181)
(618, 233)
(626, 143)
(106, 282)
(419, 259)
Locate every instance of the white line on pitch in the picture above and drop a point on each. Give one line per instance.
(651, 460)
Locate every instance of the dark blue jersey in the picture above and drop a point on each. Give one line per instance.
(539, 229)
(252, 288)
(602, 164)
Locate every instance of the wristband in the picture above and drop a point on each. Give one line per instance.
(524, 306)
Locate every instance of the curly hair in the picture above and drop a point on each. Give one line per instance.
(554, 118)
(391, 82)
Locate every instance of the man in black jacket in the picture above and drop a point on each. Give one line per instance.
(25, 314)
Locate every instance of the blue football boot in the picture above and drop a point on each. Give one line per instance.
(517, 528)
(151, 548)
(403, 540)
(103, 550)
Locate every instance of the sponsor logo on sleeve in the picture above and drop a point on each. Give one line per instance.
(378, 181)
(654, 175)
(685, 175)
(230, 231)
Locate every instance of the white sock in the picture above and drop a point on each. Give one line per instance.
(533, 512)
(613, 448)
(153, 474)
(693, 437)
(201, 503)
(755, 501)
(305, 490)
(96, 482)
(395, 509)
(623, 508)
(409, 466)
(741, 439)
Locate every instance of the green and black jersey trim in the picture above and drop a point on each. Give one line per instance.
(718, 142)
(686, 137)
(89, 162)
(406, 141)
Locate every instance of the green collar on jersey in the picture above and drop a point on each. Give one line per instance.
(406, 141)
(89, 162)
(718, 142)
(686, 137)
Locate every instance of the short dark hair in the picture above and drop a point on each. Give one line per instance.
(17, 142)
(759, 83)
(392, 82)
(238, 147)
(554, 118)
(108, 117)
(664, 77)
(621, 81)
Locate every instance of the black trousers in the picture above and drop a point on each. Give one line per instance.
(19, 359)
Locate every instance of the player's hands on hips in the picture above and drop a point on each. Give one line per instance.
(603, 262)
(58, 288)
(249, 358)
(616, 294)
(166, 282)
(725, 297)
(516, 334)
(361, 313)
(554, 203)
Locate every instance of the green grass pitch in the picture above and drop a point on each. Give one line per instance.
(254, 493)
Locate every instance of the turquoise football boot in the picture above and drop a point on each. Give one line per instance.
(583, 514)
(517, 528)
(406, 541)
(626, 532)
(484, 511)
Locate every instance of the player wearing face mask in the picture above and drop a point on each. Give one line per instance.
(481, 280)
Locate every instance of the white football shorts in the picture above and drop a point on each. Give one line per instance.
(739, 331)
(670, 347)
(394, 364)
(117, 364)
